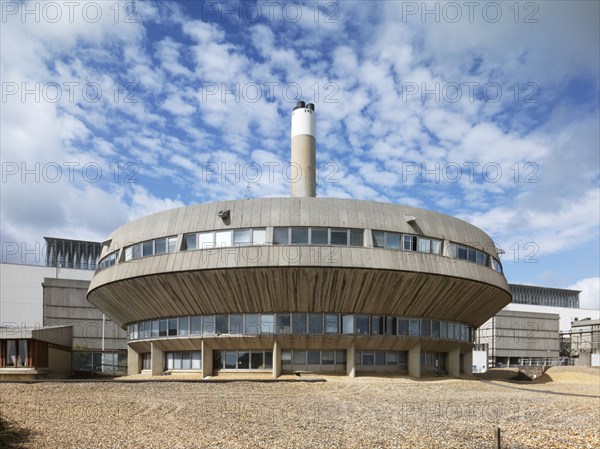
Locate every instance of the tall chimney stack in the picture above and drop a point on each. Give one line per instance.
(304, 150)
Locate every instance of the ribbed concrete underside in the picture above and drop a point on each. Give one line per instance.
(299, 289)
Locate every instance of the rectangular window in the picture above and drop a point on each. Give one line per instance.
(208, 325)
(172, 244)
(160, 246)
(206, 240)
(392, 240)
(197, 360)
(444, 329)
(472, 254)
(177, 360)
(332, 325)
(268, 360)
(414, 327)
(339, 237)
(300, 236)
(425, 328)
(286, 357)
(453, 250)
(315, 323)
(128, 253)
(256, 360)
(347, 324)
(356, 237)
(327, 357)
(267, 323)
(340, 357)
(390, 325)
(299, 357)
(252, 324)
(402, 358)
(435, 329)
(222, 324)
(195, 325)
(147, 248)
(170, 361)
(162, 328)
(481, 258)
(377, 325)
(222, 239)
(367, 358)
(409, 243)
(172, 326)
(378, 239)
(280, 236)
(462, 253)
(147, 329)
(451, 333)
(230, 360)
(190, 241)
(186, 360)
(319, 236)
(243, 360)
(362, 324)
(424, 245)
(155, 328)
(299, 323)
(236, 324)
(242, 237)
(314, 357)
(184, 326)
(402, 326)
(391, 358)
(259, 236)
(11, 353)
(284, 323)
(379, 358)
(219, 359)
(436, 246)
(22, 360)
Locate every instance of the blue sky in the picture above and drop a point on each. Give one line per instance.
(111, 111)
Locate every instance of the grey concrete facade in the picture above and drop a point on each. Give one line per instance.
(65, 303)
(516, 336)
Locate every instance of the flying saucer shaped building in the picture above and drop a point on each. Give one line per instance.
(299, 284)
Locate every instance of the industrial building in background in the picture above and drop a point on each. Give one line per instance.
(299, 284)
(47, 327)
(582, 343)
(535, 330)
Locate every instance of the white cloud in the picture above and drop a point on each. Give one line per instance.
(589, 298)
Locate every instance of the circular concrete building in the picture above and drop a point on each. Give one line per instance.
(299, 284)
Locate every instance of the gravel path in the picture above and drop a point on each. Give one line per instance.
(365, 412)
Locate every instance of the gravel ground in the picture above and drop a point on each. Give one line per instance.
(364, 412)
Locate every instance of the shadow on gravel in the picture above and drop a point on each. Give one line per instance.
(11, 436)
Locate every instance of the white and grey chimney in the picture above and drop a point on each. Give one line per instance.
(304, 150)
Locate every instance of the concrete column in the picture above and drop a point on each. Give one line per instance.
(414, 361)
(158, 360)
(276, 360)
(207, 360)
(467, 364)
(454, 361)
(368, 238)
(133, 362)
(351, 360)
